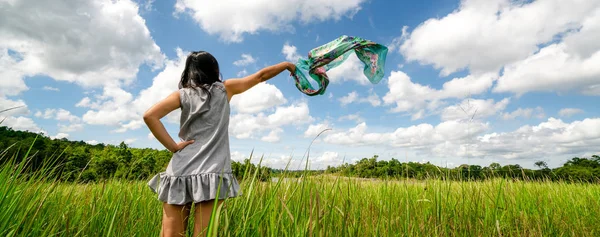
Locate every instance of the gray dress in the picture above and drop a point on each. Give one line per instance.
(194, 172)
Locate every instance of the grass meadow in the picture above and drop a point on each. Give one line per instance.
(33, 205)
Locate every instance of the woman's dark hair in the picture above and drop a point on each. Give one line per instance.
(201, 70)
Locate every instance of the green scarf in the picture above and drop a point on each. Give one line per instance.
(330, 55)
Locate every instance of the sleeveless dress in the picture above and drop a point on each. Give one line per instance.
(195, 172)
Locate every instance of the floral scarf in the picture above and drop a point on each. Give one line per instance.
(310, 75)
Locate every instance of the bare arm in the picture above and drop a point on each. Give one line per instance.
(155, 113)
(239, 85)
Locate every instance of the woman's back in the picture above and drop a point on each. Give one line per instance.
(204, 119)
(194, 172)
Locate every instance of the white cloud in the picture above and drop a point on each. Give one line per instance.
(130, 140)
(85, 102)
(420, 136)
(568, 112)
(550, 138)
(10, 76)
(273, 136)
(349, 70)
(246, 59)
(413, 97)
(258, 98)
(60, 135)
(119, 108)
(151, 136)
(244, 126)
(553, 68)
(237, 156)
(114, 106)
(553, 139)
(21, 123)
(242, 73)
(64, 115)
(328, 158)
(476, 109)
(484, 35)
(525, 113)
(92, 43)
(13, 107)
(352, 117)
(290, 52)
(92, 142)
(132, 125)
(373, 99)
(314, 129)
(233, 19)
(49, 88)
(70, 128)
(353, 97)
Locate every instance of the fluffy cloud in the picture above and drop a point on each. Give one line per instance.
(553, 68)
(420, 136)
(552, 138)
(244, 126)
(232, 19)
(474, 109)
(258, 98)
(92, 43)
(130, 140)
(119, 108)
(58, 114)
(352, 117)
(569, 65)
(246, 59)
(60, 135)
(112, 108)
(349, 70)
(413, 97)
(273, 136)
(484, 35)
(21, 123)
(70, 128)
(242, 73)
(314, 129)
(290, 52)
(353, 96)
(11, 82)
(49, 88)
(568, 112)
(525, 113)
(328, 158)
(12, 107)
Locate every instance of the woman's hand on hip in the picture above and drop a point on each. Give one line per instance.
(182, 145)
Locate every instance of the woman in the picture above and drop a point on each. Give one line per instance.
(201, 162)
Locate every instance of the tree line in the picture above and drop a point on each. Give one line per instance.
(576, 169)
(83, 162)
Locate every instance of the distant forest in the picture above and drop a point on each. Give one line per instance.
(77, 161)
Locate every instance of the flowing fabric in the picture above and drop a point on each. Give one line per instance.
(311, 77)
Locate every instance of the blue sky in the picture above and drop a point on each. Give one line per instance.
(467, 82)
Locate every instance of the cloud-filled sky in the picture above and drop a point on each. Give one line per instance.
(466, 82)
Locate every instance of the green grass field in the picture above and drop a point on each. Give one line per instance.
(314, 206)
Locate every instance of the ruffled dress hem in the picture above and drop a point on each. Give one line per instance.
(185, 189)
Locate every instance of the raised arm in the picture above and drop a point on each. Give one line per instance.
(239, 85)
